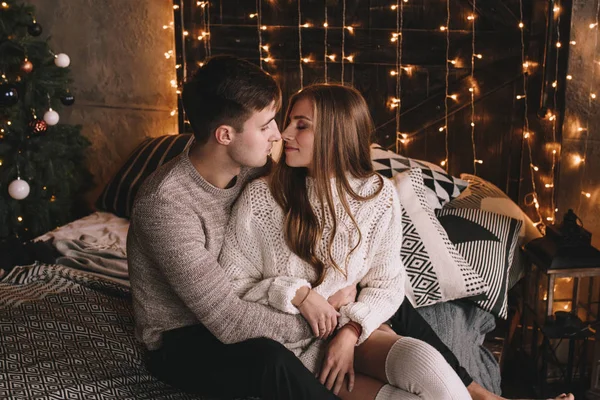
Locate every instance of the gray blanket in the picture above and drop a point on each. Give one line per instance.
(462, 327)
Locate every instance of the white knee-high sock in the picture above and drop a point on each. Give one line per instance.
(417, 367)
(389, 392)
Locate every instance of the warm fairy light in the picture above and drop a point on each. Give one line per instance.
(520, 96)
(478, 161)
(306, 60)
(442, 28)
(525, 65)
(472, 123)
(263, 28)
(453, 97)
(521, 25)
(442, 128)
(549, 185)
(573, 42)
(556, 9)
(526, 135)
(350, 29)
(471, 17)
(550, 219)
(306, 25)
(325, 25)
(0, 163)
(9, 123)
(169, 54)
(331, 57)
(173, 112)
(593, 95)
(577, 159)
(478, 56)
(393, 73)
(558, 44)
(569, 77)
(535, 168)
(580, 129)
(471, 89)
(350, 58)
(453, 62)
(393, 7)
(173, 83)
(592, 26)
(551, 117)
(185, 33)
(267, 59)
(586, 194)
(4, 4)
(175, 7)
(265, 47)
(20, 219)
(202, 3)
(443, 163)
(252, 15)
(554, 84)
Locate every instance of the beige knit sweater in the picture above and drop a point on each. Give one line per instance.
(177, 228)
(264, 270)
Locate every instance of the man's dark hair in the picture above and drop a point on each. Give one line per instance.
(226, 91)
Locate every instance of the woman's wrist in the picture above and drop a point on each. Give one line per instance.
(353, 328)
(301, 295)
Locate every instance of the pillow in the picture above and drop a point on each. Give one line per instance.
(119, 193)
(441, 187)
(488, 242)
(436, 270)
(484, 195)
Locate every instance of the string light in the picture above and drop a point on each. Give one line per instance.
(472, 92)
(343, 37)
(400, 138)
(257, 15)
(300, 57)
(589, 113)
(447, 30)
(325, 29)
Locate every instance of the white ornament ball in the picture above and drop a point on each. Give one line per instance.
(18, 189)
(51, 117)
(62, 60)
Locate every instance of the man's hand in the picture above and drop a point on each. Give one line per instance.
(320, 315)
(343, 297)
(339, 360)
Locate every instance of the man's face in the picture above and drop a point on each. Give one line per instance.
(251, 147)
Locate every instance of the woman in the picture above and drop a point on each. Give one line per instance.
(322, 221)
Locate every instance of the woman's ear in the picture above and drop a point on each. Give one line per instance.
(224, 134)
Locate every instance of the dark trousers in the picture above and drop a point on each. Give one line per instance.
(193, 360)
(408, 322)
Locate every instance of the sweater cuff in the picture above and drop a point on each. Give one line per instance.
(283, 290)
(359, 313)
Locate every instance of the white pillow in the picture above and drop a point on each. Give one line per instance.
(436, 270)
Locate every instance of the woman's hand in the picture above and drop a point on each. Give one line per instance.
(320, 315)
(339, 360)
(343, 297)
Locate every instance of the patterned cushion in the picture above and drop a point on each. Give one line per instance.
(441, 187)
(484, 195)
(487, 241)
(120, 192)
(436, 271)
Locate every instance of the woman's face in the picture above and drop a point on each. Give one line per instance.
(298, 136)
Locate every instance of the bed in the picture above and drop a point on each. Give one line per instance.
(67, 326)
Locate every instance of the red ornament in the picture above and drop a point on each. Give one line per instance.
(27, 66)
(38, 126)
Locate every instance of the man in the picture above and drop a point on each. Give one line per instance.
(200, 337)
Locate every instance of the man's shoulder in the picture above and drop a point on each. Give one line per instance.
(165, 185)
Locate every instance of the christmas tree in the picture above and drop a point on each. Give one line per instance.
(42, 171)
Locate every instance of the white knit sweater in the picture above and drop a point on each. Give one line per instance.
(264, 270)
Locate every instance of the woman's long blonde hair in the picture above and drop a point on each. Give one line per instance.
(343, 127)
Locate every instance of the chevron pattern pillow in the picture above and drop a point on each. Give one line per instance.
(119, 193)
(441, 187)
(436, 270)
(487, 241)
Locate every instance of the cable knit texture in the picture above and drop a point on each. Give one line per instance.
(264, 269)
(177, 228)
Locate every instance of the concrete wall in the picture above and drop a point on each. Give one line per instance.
(585, 177)
(121, 77)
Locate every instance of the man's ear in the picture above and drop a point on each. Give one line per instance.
(224, 134)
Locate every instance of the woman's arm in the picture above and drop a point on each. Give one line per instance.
(382, 288)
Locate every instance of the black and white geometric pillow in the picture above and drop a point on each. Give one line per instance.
(443, 187)
(436, 270)
(487, 241)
